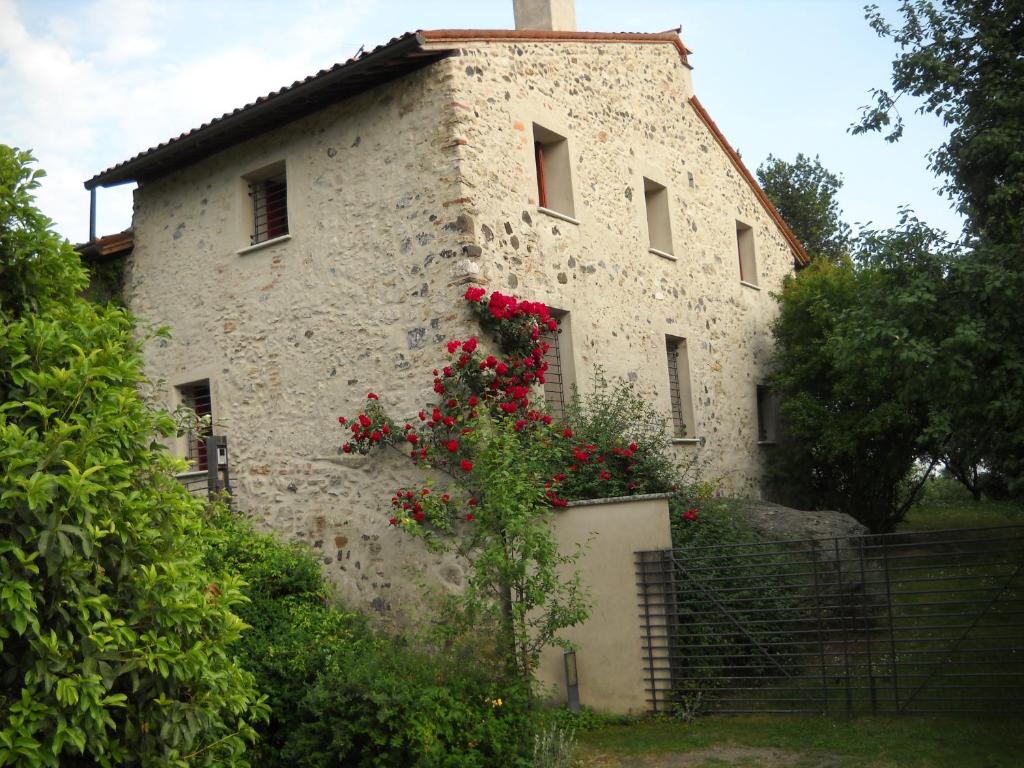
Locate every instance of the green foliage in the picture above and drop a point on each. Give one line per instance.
(804, 192)
(962, 59)
(710, 543)
(612, 418)
(864, 355)
(343, 694)
(114, 639)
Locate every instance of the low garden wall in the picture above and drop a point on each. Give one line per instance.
(609, 651)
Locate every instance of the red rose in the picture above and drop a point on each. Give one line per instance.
(470, 346)
(690, 515)
(342, 419)
(364, 420)
(605, 475)
(519, 425)
(445, 498)
(412, 439)
(470, 517)
(452, 403)
(546, 418)
(472, 401)
(392, 521)
(419, 517)
(501, 369)
(471, 502)
(375, 436)
(372, 396)
(346, 448)
(567, 432)
(423, 416)
(453, 345)
(453, 446)
(474, 294)
(632, 447)
(449, 421)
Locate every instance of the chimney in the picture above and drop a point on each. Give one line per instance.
(545, 14)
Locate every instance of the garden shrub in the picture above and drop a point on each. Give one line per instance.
(342, 693)
(714, 539)
(114, 637)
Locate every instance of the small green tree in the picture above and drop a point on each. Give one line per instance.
(804, 192)
(114, 640)
(863, 359)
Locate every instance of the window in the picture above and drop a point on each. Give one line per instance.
(558, 378)
(196, 396)
(268, 195)
(767, 415)
(745, 248)
(554, 181)
(683, 422)
(659, 230)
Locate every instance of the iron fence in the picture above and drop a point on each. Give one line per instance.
(908, 622)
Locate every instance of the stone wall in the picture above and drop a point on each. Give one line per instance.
(624, 111)
(396, 199)
(296, 333)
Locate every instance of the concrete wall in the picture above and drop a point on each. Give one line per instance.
(396, 199)
(609, 647)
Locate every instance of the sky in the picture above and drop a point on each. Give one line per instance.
(86, 84)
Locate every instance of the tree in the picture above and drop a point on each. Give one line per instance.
(804, 192)
(861, 363)
(962, 58)
(115, 642)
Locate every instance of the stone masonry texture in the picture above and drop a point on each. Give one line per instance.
(397, 199)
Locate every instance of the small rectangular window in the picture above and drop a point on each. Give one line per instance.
(680, 393)
(745, 249)
(767, 415)
(196, 397)
(554, 179)
(558, 377)
(268, 195)
(659, 230)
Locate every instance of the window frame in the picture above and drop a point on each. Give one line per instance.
(194, 445)
(767, 406)
(263, 205)
(747, 254)
(680, 389)
(552, 162)
(657, 212)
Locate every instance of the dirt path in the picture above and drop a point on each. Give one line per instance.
(720, 757)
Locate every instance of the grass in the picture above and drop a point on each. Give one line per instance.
(762, 740)
(946, 504)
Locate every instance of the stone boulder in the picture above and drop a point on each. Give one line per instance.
(774, 522)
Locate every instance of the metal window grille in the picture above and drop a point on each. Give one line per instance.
(554, 383)
(269, 208)
(674, 390)
(197, 397)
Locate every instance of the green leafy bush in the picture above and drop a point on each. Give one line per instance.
(342, 693)
(628, 434)
(113, 636)
(708, 543)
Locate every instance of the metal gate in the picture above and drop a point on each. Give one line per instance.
(924, 622)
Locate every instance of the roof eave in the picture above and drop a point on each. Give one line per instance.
(258, 117)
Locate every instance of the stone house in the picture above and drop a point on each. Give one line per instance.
(315, 244)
